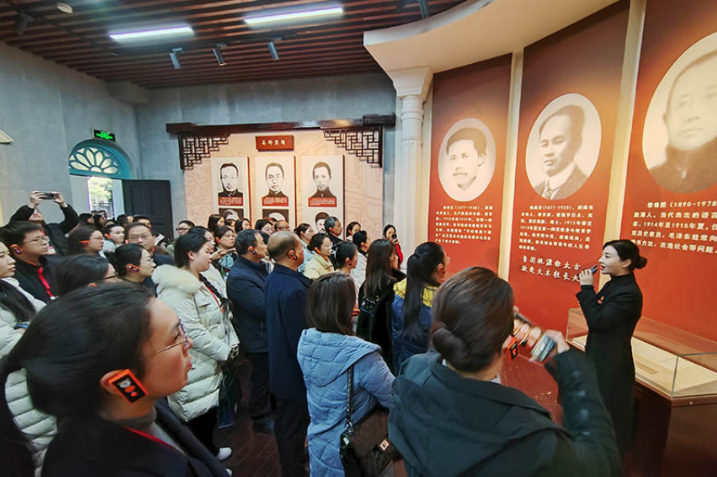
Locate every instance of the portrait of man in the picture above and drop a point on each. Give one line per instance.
(229, 178)
(322, 178)
(691, 122)
(560, 139)
(274, 175)
(319, 221)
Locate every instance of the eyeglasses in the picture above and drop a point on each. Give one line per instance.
(184, 341)
(42, 239)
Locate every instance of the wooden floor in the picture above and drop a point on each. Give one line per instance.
(256, 454)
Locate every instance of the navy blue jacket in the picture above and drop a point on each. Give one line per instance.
(285, 292)
(245, 287)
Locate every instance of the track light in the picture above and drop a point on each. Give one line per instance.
(293, 16)
(175, 60)
(21, 23)
(65, 7)
(147, 34)
(272, 50)
(218, 53)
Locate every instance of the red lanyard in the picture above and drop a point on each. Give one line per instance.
(150, 437)
(215, 297)
(44, 282)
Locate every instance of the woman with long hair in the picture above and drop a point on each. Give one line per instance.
(85, 240)
(245, 225)
(101, 360)
(225, 237)
(376, 296)
(411, 308)
(612, 315)
(214, 221)
(207, 318)
(17, 309)
(327, 352)
(320, 263)
(305, 232)
(389, 233)
(78, 271)
(133, 263)
(454, 398)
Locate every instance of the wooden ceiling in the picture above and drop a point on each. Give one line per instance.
(320, 47)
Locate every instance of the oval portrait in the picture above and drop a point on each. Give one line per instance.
(679, 142)
(563, 146)
(466, 160)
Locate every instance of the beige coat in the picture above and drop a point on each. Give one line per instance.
(318, 266)
(209, 328)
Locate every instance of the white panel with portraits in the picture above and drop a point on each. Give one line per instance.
(230, 186)
(275, 194)
(322, 186)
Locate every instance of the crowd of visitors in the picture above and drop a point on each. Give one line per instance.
(132, 342)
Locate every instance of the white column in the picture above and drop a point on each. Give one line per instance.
(411, 88)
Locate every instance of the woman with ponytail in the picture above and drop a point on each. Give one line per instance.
(612, 315)
(453, 417)
(207, 318)
(411, 309)
(17, 308)
(101, 360)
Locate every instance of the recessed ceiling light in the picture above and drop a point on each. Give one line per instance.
(64, 7)
(282, 17)
(137, 35)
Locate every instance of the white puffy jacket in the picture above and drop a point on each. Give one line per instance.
(38, 427)
(212, 333)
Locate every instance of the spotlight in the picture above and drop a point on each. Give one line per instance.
(218, 53)
(272, 50)
(64, 7)
(175, 60)
(21, 23)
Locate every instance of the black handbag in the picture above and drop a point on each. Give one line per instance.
(364, 448)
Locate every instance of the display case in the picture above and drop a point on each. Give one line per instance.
(675, 399)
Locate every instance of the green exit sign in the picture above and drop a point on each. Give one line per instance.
(107, 136)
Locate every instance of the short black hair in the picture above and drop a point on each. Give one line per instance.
(141, 217)
(319, 165)
(129, 254)
(261, 223)
(317, 240)
(474, 135)
(359, 238)
(134, 225)
(78, 271)
(343, 251)
(185, 244)
(14, 233)
(245, 239)
(188, 222)
(122, 220)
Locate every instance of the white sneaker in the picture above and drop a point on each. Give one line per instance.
(229, 471)
(224, 453)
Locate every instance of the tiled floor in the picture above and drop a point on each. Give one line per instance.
(255, 455)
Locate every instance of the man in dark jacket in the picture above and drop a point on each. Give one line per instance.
(445, 424)
(55, 232)
(286, 292)
(245, 287)
(29, 246)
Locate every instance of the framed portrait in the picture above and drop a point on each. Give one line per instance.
(680, 138)
(466, 160)
(230, 186)
(275, 191)
(563, 146)
(322, 186)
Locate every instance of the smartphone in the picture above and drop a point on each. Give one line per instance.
(543, 348)
(48, 195)
(394, 236)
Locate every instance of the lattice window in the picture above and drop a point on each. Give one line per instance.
(366, 143)
(92, 158)
(192, 149)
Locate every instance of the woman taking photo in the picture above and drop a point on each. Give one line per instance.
(305, 232)
(225, 237)
(376, 296)
(411, 309)
(612, 315)
(320, 263)
(389, 233)
(101, 360)
(85, 240)
(326, 352)
(206, 317)
(454, 397)
(79, 271)
(17, 309)
(133, 263)
(215, 221)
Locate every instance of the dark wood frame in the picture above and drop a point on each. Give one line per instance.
(198, 142)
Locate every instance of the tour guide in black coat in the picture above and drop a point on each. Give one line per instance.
(446, 425)
(612, 315)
